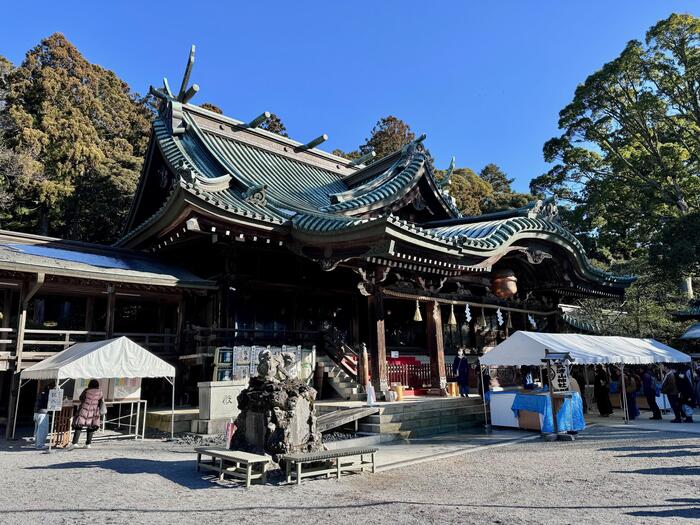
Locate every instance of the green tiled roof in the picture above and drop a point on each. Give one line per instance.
(221, 163)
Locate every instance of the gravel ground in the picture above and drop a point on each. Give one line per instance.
(608, 475)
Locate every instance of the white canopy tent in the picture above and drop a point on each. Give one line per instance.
(530, 349)
(112, 358)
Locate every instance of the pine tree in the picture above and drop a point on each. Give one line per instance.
(81, 134)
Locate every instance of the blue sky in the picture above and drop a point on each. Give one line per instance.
(484, 80)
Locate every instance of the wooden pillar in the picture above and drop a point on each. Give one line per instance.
(436, 347)
(377, 342)
(29, 288)
(109, 318)
(6, 307)
(89, 315)
(180, 326)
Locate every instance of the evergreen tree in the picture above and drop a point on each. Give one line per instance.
(81, 135)
(212, 107)
(275, 125)
(389, 134)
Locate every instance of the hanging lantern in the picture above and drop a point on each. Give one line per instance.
(504, 284)
(453, 320)
(417, 316)
(482, 321)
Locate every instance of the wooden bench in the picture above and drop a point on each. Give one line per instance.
(234, 463)
(329, 462)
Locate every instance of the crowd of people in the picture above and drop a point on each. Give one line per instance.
(678, 383)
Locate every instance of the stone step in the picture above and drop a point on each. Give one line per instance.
(427, 427)
(410, 416)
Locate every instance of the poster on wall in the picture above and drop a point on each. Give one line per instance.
(114, 389)
(82, 384)
(124, 388)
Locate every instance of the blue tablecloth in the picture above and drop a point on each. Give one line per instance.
(569, 417)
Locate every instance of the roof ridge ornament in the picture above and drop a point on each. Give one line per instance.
(447, 179)
(545, 209)
(256, 195)
(185, 94)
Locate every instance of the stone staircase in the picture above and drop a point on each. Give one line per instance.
(425, 417)
(342, 383)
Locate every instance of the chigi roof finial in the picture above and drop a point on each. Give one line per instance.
(185, 94)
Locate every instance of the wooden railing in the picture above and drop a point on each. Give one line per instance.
(7, 336)
(414, 376)
(35, 340)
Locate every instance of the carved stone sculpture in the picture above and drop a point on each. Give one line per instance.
(276, 410)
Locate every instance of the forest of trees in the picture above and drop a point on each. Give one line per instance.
(625, 168)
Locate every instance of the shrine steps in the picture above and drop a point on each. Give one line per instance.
(419, 417)
(345, 386)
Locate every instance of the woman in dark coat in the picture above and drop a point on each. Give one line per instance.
(601, 390)
(88, 415)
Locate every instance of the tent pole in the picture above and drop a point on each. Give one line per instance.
(172, 411)
(483, 396)
(623, 394)
(14, 416)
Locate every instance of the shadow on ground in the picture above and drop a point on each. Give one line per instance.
(180, 472)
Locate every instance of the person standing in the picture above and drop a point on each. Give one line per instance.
(668, 387)
(631, 396)
(601, 391)
(41, 417)
(89, 413)
(649, 391)
(460, 367)
(686, 396)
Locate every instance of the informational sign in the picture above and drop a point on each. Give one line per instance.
(394, 354)
(55, 400)
(559, 375)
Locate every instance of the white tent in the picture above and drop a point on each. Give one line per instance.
(528, 348)
(119, 357)
(112, 358)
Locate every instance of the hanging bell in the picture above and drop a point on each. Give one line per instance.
(452, 321)
(417, 316)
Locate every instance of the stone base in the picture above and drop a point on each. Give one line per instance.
(208, 426)
(160, 419)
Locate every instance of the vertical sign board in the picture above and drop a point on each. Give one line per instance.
(55, 400)
(54, 405)
(559, 375)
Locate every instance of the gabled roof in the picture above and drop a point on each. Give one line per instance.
(238, 174)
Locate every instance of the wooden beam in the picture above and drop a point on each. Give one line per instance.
(377, 343)
(259, 119)
(436, 347)
(313, 143)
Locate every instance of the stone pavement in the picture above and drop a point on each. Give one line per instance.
(644, 423)
(402, 453)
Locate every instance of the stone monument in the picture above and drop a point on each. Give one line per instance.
(276, 410)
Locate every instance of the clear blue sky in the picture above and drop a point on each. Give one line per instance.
(484, 80)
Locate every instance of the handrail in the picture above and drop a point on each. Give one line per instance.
(340, 352)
